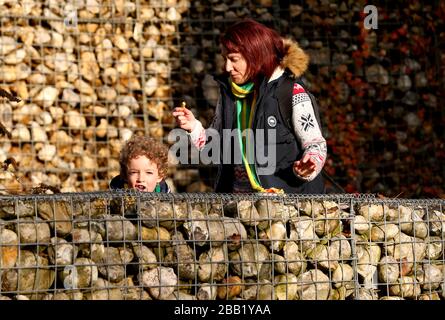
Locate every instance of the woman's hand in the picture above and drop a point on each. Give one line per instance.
(184, 118)
(305, 167)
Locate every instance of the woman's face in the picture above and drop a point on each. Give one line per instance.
(236, 66)
(143, 174)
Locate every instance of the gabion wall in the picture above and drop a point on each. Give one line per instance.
(89, 74)
(380, 91)
(87, 84)
(208, 246)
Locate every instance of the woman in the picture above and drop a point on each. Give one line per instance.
(258, 62)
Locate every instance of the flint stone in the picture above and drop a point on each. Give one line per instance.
(59, 214)
(161, 282)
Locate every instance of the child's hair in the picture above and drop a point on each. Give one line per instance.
(138, 146)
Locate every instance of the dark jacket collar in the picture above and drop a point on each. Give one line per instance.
(223, 81)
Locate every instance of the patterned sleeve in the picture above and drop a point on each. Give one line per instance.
(198, 135)
(307, 129)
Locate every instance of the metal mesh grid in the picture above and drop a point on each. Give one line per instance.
(129, 245)
(380, 91)
(89, 75)
(85, 105)
(376, 133)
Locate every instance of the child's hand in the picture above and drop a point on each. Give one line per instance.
(184, 118)
(304, 167)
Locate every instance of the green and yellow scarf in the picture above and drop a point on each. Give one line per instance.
(244, 116)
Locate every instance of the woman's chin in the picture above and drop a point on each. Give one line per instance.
(237, 80)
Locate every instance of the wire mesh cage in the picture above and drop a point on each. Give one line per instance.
(379, 90)
(91, 73)
(128, 245)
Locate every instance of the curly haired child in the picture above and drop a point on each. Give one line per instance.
(143, 165)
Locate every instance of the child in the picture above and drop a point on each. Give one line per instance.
(143, 166)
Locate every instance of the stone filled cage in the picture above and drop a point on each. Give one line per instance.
(91, 73)
(203, 246)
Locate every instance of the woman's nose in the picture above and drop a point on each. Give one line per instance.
(229, 66)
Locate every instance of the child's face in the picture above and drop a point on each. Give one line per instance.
(143, 174)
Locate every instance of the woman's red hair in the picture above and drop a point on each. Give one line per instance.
(261, 46)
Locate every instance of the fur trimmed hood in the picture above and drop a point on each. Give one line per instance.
(295, 59)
